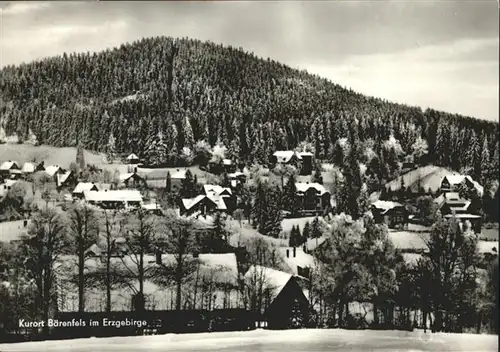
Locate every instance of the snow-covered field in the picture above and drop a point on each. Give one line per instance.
(269, 341)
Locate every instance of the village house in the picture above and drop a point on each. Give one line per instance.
(82, 187)
(201, 204)
(8, 168)
(302, 160)
(116, 199)
(284, 305)
(176, 179)
(237, 178)
(53, 171)
(132, 159)
(450, 204)
(393, 214)
(215, 192)
(31, 168)
(131, 180)
(218, 166)
(313, 198)
(66, 179)
(451, 183)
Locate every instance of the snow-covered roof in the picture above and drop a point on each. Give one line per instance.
(190, 202)
(236, 174)
(272, 279)
(487, 247)
(430, 177)
(303, 187)
(61, 178)
(132, 157)
(218, 200)
(9, 183)
(306, 154)
(284, 156)
(463, 216)
(84, 186)
(28, 167)
(227, 162)
(302, 259)
(113, 196)
(216, 190)
(7, 165)
(385, 206)
(179, 174)
(458, 179)
(53, 169)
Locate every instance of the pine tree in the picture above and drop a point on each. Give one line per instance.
(188, 186)
(111, 149)
(315, 229)
(188, 133)
(317, 177)
(290, 196)
(259, 206)
(306, 233)
(168, 183)
(157, 151)
(80, 158)
(485, 161)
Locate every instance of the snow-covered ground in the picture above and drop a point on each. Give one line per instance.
(265, 340)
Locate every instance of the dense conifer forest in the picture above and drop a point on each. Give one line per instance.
(131, 97)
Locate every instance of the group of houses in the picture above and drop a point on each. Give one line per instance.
(12, 170)
(440, 183)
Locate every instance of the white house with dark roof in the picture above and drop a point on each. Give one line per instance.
(65, 179)
(9, 165)
(450, 204)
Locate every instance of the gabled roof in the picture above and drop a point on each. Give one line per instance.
(28, 167)
(430, 178)
(384, 206)
(216, 190)
(113, 196)
(61, 178)
(84, 186)
(458, 179)
(179, 174)
(132, 157)
(7, 165)
(272, 279)
(284, 156)
(53, 169)
(127, 176)
(191, 202)
(303, 187)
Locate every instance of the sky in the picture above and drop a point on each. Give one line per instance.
(439, 54)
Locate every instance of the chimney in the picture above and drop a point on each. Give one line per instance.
(158, 258)
(288, 253)
(294, 251)
(304, 248)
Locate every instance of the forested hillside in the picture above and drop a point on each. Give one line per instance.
(224, 94)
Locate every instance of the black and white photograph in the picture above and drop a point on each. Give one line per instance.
(249, 176)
